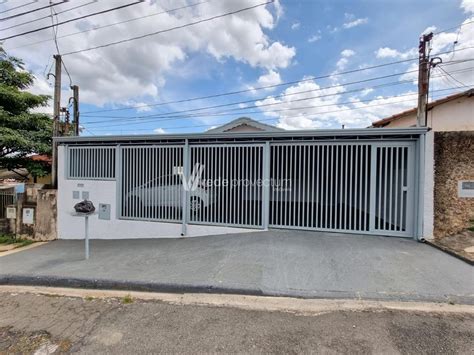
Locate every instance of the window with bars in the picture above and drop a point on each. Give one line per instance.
(93, 163)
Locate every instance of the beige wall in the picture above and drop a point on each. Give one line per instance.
(456, 115)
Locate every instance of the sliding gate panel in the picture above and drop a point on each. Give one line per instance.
(320, 186)
(227, 183)
(393, 189)
(346, 187)
(151, 187)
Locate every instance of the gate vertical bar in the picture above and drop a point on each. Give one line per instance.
(373, 187)
(118, 181)
(185, 194)
(266, 185)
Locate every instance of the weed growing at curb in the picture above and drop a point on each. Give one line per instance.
(127, 299)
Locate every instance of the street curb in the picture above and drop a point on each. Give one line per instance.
(124, 285)
(20, 249)
(450, 252)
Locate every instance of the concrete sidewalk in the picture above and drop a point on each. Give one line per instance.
(289, 263)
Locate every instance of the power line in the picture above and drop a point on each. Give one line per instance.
(73, 19)
(113, 24)
(281, 95)
(45, 17)
(243, 110)
(452, 77)
(263, 98)
(452, 28)
(55, 33)
(264, 112)
(17, 7)
(324, 76)
(276, 118)
(33, 10)
(220, 114)
(169, 29)
(168, 118)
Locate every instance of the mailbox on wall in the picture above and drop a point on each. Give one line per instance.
(466, 188)
(28, 216)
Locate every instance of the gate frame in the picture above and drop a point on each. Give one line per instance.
(413, 134)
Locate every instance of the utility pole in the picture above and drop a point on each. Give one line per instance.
(75, 107)
(423, 78)
(56, 116)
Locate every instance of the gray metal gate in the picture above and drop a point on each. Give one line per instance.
(7, 197)
(230, 189)
(358, 187)
(347, 187)
(150, 185)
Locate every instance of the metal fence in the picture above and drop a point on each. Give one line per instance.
(320, 186)
(347, 187)
(95, 163)
(361, 187)
(151, 185)
(7, 197)
(231, 185)
(393, 189)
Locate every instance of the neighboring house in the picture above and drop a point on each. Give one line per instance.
(244, 124)
(22, 174)
(451, 156)
(451, 113)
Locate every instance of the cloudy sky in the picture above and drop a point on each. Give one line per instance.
(296, 64)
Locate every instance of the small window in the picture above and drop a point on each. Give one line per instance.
(97, 163)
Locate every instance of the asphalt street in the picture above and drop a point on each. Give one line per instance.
(58, 324)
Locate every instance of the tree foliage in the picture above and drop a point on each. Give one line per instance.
(22, 131)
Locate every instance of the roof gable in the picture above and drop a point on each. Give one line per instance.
(244, 124)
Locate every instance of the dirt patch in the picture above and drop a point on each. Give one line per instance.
(38, 342)
(459, 244)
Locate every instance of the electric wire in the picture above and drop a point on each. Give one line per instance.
(268, 119)
(47, 16)
(33, 10)
(112, 24)
(169, 29)
(72, 20)
(287, 83)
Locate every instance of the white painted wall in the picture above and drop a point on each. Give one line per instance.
(70, 227)
(428, 199)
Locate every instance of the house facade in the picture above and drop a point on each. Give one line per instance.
(244, 176)
(450, 154)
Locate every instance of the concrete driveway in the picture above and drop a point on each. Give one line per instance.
(291, 263)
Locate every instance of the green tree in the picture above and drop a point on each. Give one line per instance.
(22, 131)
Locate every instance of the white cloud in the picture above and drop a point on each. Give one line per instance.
(467, 6)
(329, 108)
(314, 38)
(271, 78)
(137, 70)
(343, 61)
(355, 23)
(348, 53)
(366, 92)
(386, 52)
(159, 130)
(295, 26)
(461, 71)
(428, 30)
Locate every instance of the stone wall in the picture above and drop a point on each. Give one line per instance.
(44, 203)
(454, 161)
